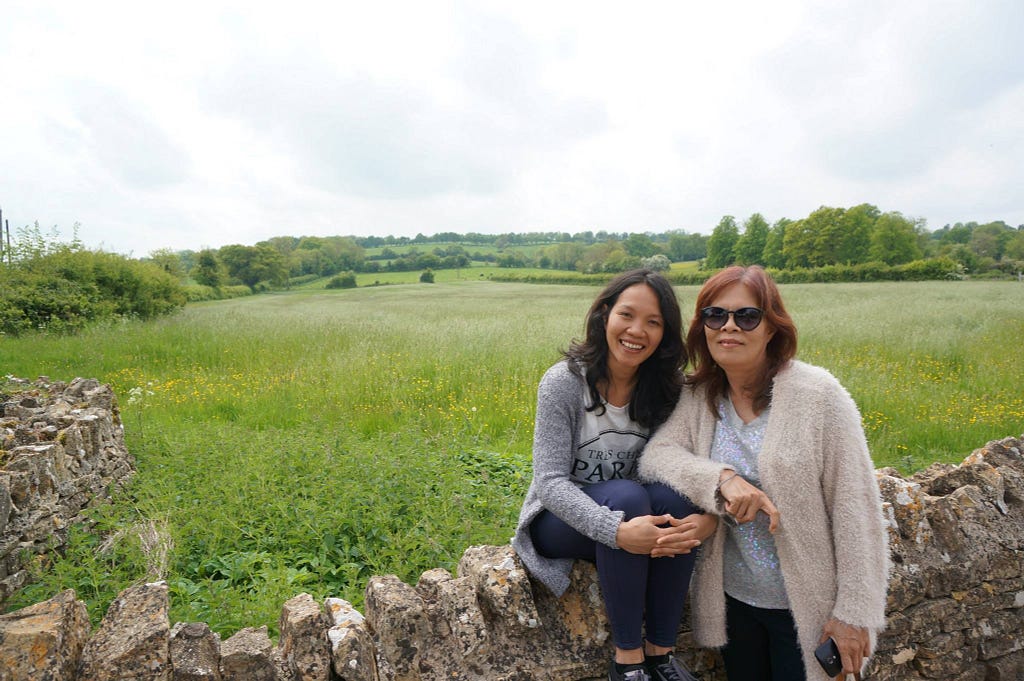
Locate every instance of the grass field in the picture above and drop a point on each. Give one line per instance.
(304, 441)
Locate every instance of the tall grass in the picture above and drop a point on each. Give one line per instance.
(305, 441)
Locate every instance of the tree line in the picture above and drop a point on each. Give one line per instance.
(829, 236)
(48, 284)
(863, 234)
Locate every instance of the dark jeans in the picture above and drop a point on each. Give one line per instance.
(762, 644)
(632, 585)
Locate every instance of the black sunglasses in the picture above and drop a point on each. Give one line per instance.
(747, 318)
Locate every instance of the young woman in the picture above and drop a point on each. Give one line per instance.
(595, 412)
(778, 446)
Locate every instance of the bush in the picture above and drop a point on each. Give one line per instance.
(343, 280)
(302, 279)
(67, 287)
(427, 277)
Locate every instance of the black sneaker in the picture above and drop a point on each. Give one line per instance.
(636, 672)
(673, 670)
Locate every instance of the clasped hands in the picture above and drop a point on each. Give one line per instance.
(743, 501)
(663, 535)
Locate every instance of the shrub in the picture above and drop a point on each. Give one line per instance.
(343, 280)
(67, 287)
(427, 277)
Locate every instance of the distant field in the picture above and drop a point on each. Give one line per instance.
(477, 271)
(483, 249)
(304, 441)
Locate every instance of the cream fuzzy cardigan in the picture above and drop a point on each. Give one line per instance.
(815, 467)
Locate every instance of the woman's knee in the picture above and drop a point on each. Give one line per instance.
(628, 496)
(664, 499)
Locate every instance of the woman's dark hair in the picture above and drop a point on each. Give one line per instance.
(660, 376)
(781, 348)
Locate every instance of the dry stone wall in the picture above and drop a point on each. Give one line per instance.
(61, 450)
(955, 609)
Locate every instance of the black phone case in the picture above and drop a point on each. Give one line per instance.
(827, 655)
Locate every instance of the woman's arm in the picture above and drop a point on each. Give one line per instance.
(851, 494)
(559, 403)
(675, 456)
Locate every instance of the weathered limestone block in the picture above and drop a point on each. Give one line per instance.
(133, 641)
(945, 523)
(352, 647)
(1000, 633)
(502, 583)
(460, 611)
(195, 652)
(44, 641)
(1008, 668)
(6, 505)
(303, 644)
(248, 655)
(907, 501)
(455, 612)
(397, 613)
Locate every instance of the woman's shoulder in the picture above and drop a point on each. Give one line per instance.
(798, 375)
(562, 377)
(566, 371)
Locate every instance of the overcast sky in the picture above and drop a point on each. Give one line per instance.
(192, 124)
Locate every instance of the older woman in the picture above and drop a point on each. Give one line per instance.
(777, 446)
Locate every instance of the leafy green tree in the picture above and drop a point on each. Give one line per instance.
(603, 256)
(683, 247)
(564, 256)
(750, 246)
(964, 256)
(894, 239)
(169, 262)
(209, 271)
(772, 255)
(1015, 246)
(815, 241)
(640, 245)
(990, 239)
(960, 233)
(857, 223)
(253, 264)
(722, 244)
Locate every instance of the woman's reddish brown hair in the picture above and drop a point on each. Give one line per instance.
(781, 348)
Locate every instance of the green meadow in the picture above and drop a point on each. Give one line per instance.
(304, 441)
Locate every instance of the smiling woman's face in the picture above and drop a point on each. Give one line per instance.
(733, 349)
(633, 329)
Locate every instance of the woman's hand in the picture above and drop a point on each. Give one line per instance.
(696, 527)
(743, 500)
(853, 642)
(641, 535)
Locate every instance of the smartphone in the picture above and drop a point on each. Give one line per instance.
(827, 655)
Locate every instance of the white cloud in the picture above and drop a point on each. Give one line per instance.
(201, 124)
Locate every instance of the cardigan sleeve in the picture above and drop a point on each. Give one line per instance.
(678, 453)
(559, 403)
(855, 508)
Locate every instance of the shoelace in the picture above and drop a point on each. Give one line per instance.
(636, 675)
(670, 672)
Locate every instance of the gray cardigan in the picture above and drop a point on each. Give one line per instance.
(556, 434)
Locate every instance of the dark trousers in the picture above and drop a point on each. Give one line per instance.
(762, 644)
(638, 590)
